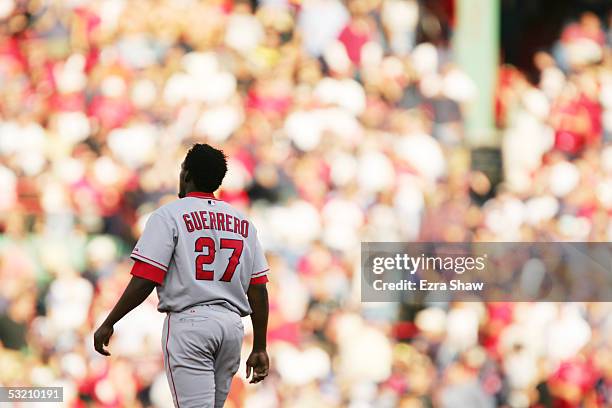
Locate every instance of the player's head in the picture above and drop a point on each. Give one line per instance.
(202, 170)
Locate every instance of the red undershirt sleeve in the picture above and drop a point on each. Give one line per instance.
(259, 280)
(147, 271)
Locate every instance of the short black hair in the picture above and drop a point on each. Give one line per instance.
(206, 166)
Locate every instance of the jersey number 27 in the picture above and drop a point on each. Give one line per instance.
(206, 259)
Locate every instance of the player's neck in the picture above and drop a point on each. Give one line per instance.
(199, 194)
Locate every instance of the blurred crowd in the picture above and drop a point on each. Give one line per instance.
(343, 123)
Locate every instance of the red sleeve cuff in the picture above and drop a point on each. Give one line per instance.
(148, 271)
(259, 280)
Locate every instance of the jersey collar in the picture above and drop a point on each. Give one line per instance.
(199, 194)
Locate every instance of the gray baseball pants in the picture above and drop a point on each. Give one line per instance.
(201, 354)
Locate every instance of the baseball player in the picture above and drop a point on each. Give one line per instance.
(205, 260)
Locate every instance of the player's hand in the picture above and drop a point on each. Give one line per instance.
(258, 364)
(101, 338)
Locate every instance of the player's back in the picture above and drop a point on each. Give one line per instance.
(210, 252)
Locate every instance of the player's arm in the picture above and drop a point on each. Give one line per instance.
(258, 361)
(135, 293)
(152, 255)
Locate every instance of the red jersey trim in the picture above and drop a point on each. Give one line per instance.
(199, 194)
(147, 271)
(138, 257)
(260, 272)
(259, 280)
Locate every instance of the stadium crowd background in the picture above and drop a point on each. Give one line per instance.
(341, 125)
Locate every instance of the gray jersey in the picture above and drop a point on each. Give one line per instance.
(208, 250)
